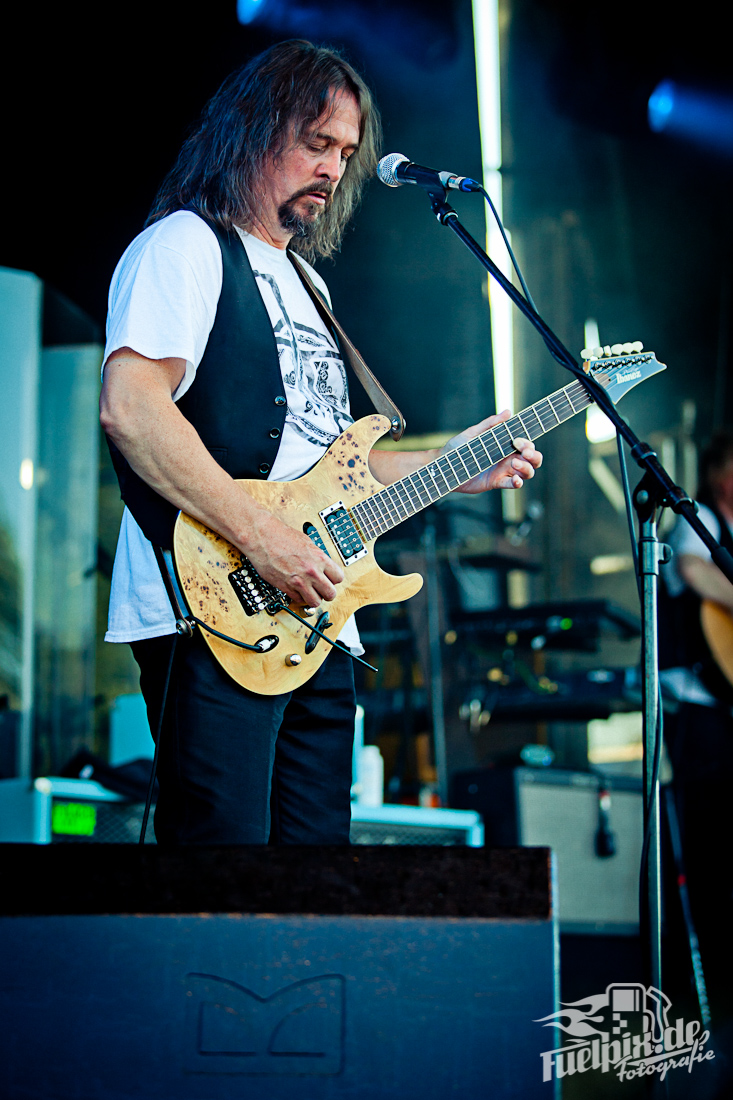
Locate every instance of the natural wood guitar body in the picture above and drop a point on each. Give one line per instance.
(204, 561)
(717, 626)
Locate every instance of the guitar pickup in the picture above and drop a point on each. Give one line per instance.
(342, 530)
(313, 533)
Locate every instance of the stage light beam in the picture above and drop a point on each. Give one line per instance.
(702, 117)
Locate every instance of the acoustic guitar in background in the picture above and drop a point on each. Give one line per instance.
(717, 628)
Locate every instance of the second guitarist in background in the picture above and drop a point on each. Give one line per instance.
(211, 334)
(700, 734)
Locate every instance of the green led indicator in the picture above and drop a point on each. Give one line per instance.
(566, 624)
(73, 818)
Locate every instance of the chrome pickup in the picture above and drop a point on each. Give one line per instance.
(343, 531)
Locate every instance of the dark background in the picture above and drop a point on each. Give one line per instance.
(608, 219)
(97, 102)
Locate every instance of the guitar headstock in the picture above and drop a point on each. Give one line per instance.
(620, 367)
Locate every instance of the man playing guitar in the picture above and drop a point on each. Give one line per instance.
(218, 366)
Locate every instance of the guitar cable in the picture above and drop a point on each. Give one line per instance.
(154, 768)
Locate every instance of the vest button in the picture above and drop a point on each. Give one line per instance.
(264, 467)
(274, 433)
(280, 401)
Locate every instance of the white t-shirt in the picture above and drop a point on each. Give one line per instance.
(162, 304)
(683, 540)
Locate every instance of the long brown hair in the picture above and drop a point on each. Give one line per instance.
(272, 99)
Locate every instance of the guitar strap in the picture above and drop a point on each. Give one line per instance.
(379, 397)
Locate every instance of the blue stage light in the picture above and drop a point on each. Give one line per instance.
(249, 10)
(700, 116)
(661, 105)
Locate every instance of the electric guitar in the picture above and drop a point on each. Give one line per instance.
(344, 510)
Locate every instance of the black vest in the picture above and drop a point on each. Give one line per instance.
(236, 402)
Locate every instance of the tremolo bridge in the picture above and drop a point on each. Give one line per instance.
(254, 593)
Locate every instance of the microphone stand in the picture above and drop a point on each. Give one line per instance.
(655, 491)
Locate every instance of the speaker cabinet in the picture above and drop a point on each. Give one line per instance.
(401, 973)
(562, 810)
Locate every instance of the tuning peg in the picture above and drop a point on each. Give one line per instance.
(626, 349)
(637, 346)
(607, 350)
(617, 349)
(597, 353)
(586, 353)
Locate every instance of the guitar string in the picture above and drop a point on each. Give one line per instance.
(396, 502)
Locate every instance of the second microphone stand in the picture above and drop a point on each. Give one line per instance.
(655, 491)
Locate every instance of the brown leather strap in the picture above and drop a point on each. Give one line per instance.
(379, 397)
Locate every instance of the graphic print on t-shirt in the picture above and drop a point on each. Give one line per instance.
(313, 373)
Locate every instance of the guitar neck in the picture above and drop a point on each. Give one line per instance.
(397, 502)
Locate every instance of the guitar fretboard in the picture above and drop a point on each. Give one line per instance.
(397, 502)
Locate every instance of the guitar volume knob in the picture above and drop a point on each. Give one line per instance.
(293, 659)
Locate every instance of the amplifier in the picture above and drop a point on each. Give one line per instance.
(415, 825)
(562, 810)
(52, 811)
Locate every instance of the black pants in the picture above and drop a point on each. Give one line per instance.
(240, 768)
(700, 741)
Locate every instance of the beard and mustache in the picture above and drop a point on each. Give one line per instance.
(299, 220)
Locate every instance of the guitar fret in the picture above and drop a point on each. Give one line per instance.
(467, 456)
(420, 497)
(501, 433)
(480, 439)
(515, 428)
(375, 502)
(360, 523)
(531, 411)
(391, 517)
(436, 472)
(525, 430)
(560, 399)
(429, 471)
(497, 454)
(548, 404)
(396, 497)
(424, 492)
(404, 495)
(448, 474)
(582, 397)
(570, 398)
(473, 445)
(371, 512)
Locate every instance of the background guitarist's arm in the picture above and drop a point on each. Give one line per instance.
(138, 413)
(704, 577)
(511, 473)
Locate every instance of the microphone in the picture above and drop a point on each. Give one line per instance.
(396, 169)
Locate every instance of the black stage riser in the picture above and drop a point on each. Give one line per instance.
(268, 1005)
